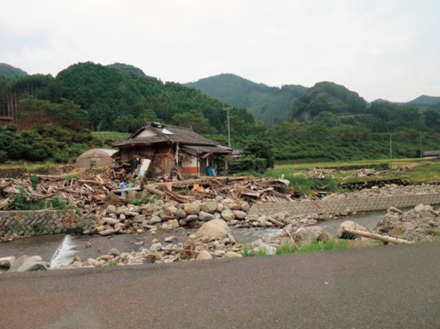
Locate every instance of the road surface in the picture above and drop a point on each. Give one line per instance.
(381, 287)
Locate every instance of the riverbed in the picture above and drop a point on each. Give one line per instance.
(46, 246)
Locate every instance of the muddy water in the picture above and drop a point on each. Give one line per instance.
(52, 246)
(49, 245)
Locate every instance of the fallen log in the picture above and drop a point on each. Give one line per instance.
(276, 222)
(153, 190)
(378, 237)
(90, 181)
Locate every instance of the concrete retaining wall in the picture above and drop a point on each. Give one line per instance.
(28, 223)
(335, 206)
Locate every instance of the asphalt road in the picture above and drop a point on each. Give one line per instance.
(381, 287)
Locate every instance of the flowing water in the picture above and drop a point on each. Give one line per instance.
(61, 249)
(65, 253)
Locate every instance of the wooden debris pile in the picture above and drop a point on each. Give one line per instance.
(238, 188)
(75, 191)
(319, 173)
(93, 190)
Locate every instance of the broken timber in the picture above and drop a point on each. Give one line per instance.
(378, 237)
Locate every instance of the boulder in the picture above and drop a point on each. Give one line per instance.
(231, 254)
(181, 213)
(307, 234)
(220, 207)
(239, 214)
(155, 220)
(107, 232)
(32, 266)
(191, 218)
(209, 207)
(170, 238)
(158, 203)
(156, 247)
(204, 255)
(215, 229)
(114, 252)
(245, 207)
(228, 215)
(192, 208)
(423, 208)
(6, 262)
(171, 211)
(139, 218)
(111, 209)
(204, 216)
(234, 205)
(174, 223)
(349, 225)
(27, 264)
(262, 221)
(110, 221)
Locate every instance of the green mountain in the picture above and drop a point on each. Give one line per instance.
(328, 97)
(127, 68)
(121, 97)
(268, 104)
(425, 100)
(10, 71)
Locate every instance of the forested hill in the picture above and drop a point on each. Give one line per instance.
(328, 97)
(268, 104)
(425, 100)
(121, 97)
(127, 68)
(9, 71)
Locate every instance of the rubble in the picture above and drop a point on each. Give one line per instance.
(419, 224)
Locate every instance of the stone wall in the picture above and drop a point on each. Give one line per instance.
(15, 223)
(335, 206)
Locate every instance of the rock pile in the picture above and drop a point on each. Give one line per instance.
(387, 190)
(418, 224)
(169, 215)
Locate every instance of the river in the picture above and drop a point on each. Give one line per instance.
(51, 246)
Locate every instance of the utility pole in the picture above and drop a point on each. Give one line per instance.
(421, 152)
(229, 129)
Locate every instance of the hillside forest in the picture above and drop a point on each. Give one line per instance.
(59, 117)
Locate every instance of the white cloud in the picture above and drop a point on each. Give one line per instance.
(377, 48)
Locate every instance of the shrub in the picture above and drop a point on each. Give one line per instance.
(3, 156)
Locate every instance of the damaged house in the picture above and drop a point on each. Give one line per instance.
(165, 150)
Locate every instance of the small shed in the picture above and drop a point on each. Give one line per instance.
(96, 158)
(431, 154)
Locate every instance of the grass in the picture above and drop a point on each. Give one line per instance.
(109, 137)
(112, 264)
(312, 246)
(395, 163)
(419, 172)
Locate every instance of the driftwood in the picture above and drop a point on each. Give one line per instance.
(153, 190)
(378, 237)
(90, 181)
(4, 203)
(276, 222)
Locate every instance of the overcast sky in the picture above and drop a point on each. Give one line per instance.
(380, 48)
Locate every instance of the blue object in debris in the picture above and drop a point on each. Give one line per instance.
(122, 186)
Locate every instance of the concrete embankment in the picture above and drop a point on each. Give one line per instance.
(341, 205)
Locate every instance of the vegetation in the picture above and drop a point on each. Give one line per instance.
(418, 172)
(312, 246)
(10, 71)
(326, 122)
(268, 104)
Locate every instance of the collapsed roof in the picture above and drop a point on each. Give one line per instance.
(154, 132)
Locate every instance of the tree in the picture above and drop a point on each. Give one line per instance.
(327, 119)
(192, 119)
